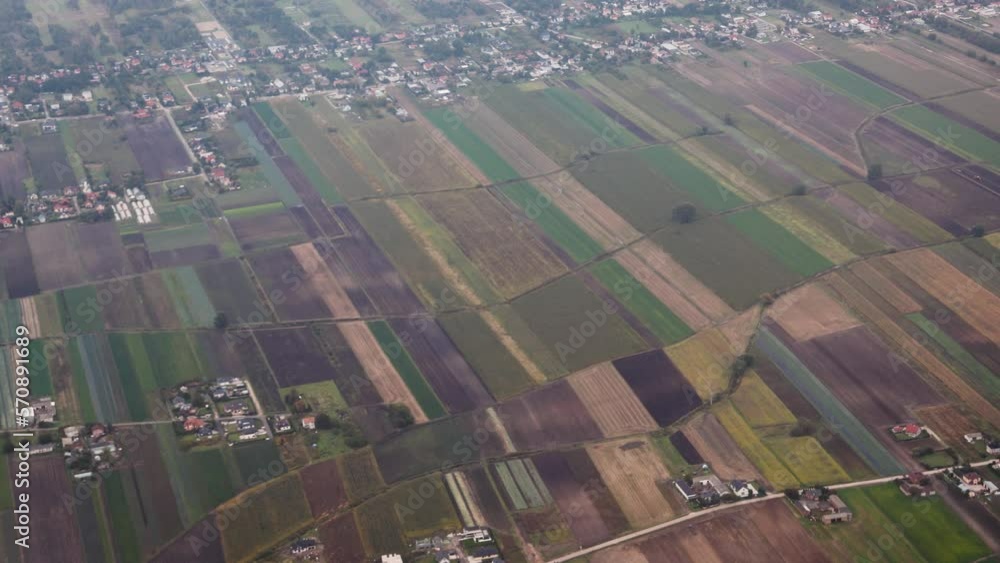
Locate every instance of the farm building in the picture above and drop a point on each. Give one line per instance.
(827, 510)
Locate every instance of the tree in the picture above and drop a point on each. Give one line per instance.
(728, 120)
(399, 416)
(874, 171)
(977, 231)
(221, 321)
(323, 421)
(684, 213)
(799, 190)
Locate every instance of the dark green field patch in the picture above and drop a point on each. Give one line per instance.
(408, 370)
(783, 245)
(576, 325)
(80, 310)
(271, 119)
(667, 326)
(556, 224)
(494, 363)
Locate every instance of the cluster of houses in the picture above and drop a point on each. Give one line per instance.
(89, 449)
(472, 545)
(707, 489)
(211, 160)
(916, 484)
(971, 482)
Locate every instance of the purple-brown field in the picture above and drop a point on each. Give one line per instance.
(907, 146)
(792, 52)
(373, 270)
(185, 256)
(202, 543)
(17, 265)
(548, 417)
(260, 231)
(660, 386)
(444, 367)
(294, 355)
(341, 540)
(955, 202)
(581, 495)
(159, 151)
(306, 221)
(101, 251)
(284, 281)
(53, 526)
(260, 130)
(13, 171)
(57, 262)
(875, 223)
(346, 279)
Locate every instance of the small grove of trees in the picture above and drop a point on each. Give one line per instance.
(874, 171)
(684, 213)
(399, 416)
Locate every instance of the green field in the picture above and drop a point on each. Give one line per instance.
(41, 376)
(193, 234)
(80, 310)
(480, 153)
(852, 84)
(949, 134)
(138, 381)
(120, 518)
(561, 313)
(579, 110)
(408, 370)
(96, 379)
(267, 168)
(713, 250)
(556, 224)
(930, 521)
(323, 186)
(191, 301)
(636, 298)
(200, 479)
(256, 461)
(790, 251)
(832, 410)
(498, 368)
(435, 514)
(257, 210)
(272, 121)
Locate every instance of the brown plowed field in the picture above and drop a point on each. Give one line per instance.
(341, 540)
(54, 249)
(633, 473)
(261, 231)
(322, 282)
(913, 349)
(55, 535)
(949, 423)
(548, 417)
(911, 150)
(323, 486)
(510, 257)
(951, 201)
(283, 279)
(140, 302)
(594, 216)
(101, 251)
(659, 385)
(416, 156)
(669, 269)
(355, 291)
(21, 281)
(612, 404)
(792, 52)
(979, 307)
(885, 288)
(444, 367)
(765, 532)
(294, 355)
(809, 312)
(718, 448)
(376, 274)
(379, 369)
(159, 151)
(871, 222)
(202, 543)
(581, 495)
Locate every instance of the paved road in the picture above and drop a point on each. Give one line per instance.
(723, 507)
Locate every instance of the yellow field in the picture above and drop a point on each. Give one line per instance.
(806, 230)
(759, 405)
(807, 460)
(704, 359)
(758, 453)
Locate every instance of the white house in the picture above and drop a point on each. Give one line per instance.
(743, 489)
